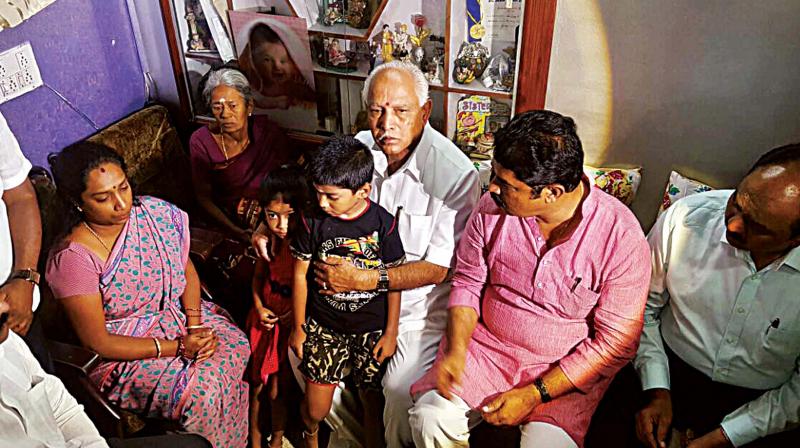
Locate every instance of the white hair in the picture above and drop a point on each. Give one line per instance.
(420, 83)
(227, 77)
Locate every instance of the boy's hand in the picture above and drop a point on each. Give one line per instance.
(385, 347)
(296, 340)
(268, 318)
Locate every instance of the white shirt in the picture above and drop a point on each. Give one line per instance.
(437, 189)
(14, 168)
(35, 408)
(718, 313)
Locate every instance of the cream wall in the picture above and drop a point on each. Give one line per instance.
(698, 86)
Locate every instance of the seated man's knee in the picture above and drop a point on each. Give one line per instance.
(425, 418)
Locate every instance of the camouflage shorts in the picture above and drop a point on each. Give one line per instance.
(326, 354)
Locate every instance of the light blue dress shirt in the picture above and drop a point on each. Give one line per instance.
(736, 324)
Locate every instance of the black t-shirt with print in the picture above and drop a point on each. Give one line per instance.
(368, 241)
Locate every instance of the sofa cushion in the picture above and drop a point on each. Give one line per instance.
(678, 187)
(622, 183)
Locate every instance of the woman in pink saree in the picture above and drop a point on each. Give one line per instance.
(123, 275)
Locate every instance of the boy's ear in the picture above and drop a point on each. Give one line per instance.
(363, 191)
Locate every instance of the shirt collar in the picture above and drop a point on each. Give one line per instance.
(415, 162)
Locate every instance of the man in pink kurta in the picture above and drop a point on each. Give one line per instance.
(552, 275)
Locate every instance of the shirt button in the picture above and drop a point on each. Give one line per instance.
(545, 262)
(729, 340)
(539, 239)
(740, 310)
(540, 285)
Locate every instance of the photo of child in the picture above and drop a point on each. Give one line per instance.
(274, 54)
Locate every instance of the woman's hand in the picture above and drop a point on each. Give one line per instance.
(296, 340)
(196, 341)
(267, 318)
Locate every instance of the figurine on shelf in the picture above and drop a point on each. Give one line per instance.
(332, 12)
(334, 53)
(402, 43)
(194, 43)
(470, 62)
(387, 44)
(357, 16)
(484, 147)
(418, 40)
(434, 69)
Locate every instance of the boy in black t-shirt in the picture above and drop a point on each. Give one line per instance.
(355, 328)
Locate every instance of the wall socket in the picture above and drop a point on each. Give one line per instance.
(19, 73)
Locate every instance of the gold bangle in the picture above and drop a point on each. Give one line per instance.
(195, 327)
(193, 309)
(158, 347)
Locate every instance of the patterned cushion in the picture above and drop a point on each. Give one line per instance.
(679, 187)
(622, 183)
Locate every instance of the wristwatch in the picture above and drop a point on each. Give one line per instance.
(28, 275)
(539, 383)
(383, 279)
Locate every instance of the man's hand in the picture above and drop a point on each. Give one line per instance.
(510, 408)
(18, 294)
(449, 372)
(714, 439)
(260, 243)
(653, 421)
(385, 347)
(336, 275)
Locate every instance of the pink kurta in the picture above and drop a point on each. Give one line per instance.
(536, 314)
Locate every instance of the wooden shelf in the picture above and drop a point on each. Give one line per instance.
(469, 90)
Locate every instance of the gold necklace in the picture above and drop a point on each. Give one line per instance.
(96, 236)
(224, 151)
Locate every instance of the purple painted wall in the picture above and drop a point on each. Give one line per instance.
(86, 51)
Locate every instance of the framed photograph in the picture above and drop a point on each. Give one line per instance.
(274, 53)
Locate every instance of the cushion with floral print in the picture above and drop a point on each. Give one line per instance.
(678, 187)
(622, 183)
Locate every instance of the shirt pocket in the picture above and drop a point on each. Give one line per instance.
(415, 232)
(781, 346)
(575, 301)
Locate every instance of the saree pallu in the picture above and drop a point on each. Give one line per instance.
(141, 285)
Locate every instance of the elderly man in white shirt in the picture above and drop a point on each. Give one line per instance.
(431, 187)
(721, 344)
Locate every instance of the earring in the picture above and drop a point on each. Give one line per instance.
(78, 207)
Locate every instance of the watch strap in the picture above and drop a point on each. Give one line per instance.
(383, 280)
(29, 275)
(540, 386)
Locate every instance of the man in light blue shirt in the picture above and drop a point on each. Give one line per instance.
(720, 351)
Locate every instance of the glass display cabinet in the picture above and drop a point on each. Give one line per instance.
(483, 59)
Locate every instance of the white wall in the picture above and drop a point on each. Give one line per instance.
(698, 86)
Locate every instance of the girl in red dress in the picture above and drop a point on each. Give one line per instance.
(284, 195)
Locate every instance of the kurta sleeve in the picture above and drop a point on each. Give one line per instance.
(617, 320)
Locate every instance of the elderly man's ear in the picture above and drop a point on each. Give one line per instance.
(426, 110)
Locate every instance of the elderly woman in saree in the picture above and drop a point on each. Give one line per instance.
(123, 275)
(231, 156)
